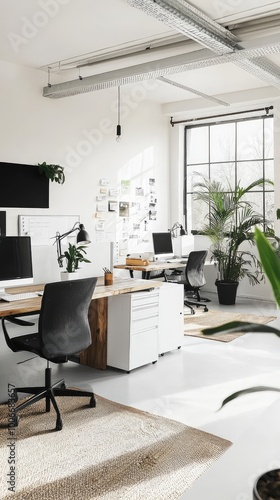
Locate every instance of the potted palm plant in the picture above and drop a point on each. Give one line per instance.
(73, 255)
(230, 222)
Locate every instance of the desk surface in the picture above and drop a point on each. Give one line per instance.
(152, 267)
(120, 285)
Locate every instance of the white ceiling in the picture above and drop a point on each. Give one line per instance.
(59, 33)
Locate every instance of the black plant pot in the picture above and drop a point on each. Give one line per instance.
(226, 292)
(267, 486)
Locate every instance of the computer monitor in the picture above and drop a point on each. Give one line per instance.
(15, 261)
(163, 248)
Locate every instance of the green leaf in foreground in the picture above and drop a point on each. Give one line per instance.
(247, 391)
(242, 327)
(270, 263)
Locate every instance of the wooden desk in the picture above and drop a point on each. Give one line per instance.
(146, 270)
(96, 354)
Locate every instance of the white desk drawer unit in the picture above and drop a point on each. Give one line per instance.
(132, 333)
(171, 317)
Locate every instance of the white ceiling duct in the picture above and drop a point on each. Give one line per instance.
(186, 19)
(155, 69)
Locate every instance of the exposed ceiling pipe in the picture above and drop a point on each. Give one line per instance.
(155, 69)
(185, 18)
(193, 91)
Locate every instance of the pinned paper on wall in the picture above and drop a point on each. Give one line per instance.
(101, 207)
(104, 182)
(100, 225)
(125, 186)
(113, 206)
(124, 209)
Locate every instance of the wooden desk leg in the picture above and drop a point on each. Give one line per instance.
(96, 354)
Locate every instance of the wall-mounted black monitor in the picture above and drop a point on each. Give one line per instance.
(22, 186)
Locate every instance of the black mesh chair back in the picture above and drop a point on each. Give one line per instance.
(63, 333)
(194, 270)
(63, 323)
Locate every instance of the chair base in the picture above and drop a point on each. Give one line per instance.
(48, 392)
(191, 303)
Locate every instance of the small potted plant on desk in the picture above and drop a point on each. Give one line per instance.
(74, 255)
(230, 222)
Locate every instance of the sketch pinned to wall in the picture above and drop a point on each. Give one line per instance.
(152, 215)
(103, 191)
(114, 192)
(139, 191)
(125, 187)
(153, 199)
(124, 209)
(134, 209)
(101, 197)
(113, 206)
(101, 207)
(100, 225)
(125, 225)
(104, 182)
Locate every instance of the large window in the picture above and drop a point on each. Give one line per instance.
(229, 152)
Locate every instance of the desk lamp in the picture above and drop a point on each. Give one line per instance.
(175, 226)
(82, 238)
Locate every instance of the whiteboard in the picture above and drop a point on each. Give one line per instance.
(43, 228)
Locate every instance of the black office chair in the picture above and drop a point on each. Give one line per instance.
(64, 331)
(194, 280)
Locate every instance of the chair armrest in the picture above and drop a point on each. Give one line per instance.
(17, 321)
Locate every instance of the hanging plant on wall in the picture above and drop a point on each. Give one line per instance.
(53, 172)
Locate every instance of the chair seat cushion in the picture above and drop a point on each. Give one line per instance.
(30, 342)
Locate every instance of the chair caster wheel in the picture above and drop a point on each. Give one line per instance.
(154, 362)
(92, 402)
(205, 309)
(193, 311)
(59, 424)
(63, 386)
(179, 347)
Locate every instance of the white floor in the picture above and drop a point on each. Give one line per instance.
(187, 385)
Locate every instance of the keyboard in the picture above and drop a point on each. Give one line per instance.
(11, 297)
(180, 261)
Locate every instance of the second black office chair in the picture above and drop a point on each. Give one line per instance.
(63, 331)
(194, 280)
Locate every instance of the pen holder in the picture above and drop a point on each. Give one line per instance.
(108, 278)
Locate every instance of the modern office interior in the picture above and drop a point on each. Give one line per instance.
(111, 91)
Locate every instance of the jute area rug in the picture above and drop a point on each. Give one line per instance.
(193, 324)
(108, 452)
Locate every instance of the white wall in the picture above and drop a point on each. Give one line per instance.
(79, 134)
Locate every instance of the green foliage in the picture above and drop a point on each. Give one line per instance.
(52, 172)
(74, 255)
(269, 257)
(230, 222)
